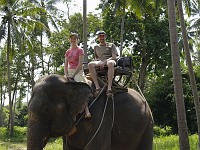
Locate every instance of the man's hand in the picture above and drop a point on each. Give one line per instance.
(102, 64)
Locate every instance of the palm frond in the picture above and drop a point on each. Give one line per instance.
(52, 2)
(52, 20)
(187, 4)
(2, 32)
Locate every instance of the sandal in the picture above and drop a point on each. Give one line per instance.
(109, 93)
(97, 92)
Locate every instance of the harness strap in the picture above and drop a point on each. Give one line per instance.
(140, 91)
(102, 121)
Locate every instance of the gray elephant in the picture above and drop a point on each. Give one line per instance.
(123, 122)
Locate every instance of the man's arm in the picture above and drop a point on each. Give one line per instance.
(95, 54)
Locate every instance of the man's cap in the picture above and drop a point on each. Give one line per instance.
(101, 32)
(73, 34)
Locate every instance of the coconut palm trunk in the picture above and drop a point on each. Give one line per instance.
(42, 53)
(178, 87)
(122, 30)
(11, 122)
(85, 31)
(190, 67)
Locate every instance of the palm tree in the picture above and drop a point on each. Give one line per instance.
(190, 67)
(178, 88)
(9, 10)
(15, 17)
(120, 6)
(195, 21)
(46, 17)
(140, 8)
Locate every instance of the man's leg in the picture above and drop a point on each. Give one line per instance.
(93, 73)
(111, 71)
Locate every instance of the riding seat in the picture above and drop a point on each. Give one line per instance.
(123, 73)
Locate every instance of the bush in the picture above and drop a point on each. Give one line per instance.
(158, 131)
(19, 134)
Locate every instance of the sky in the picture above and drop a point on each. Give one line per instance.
(77, 6)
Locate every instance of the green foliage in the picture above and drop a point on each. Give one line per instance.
(159, 142)
(21, 116)
(4, 116)
(94, 24)
(55, 144)
(19, 134)
(76, 25)
(59, 43)
(171, 142)
(166, 131)
(146, 39)
(160, 96)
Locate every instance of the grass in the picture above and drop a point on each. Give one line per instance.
(54, 145)
(160, 143)
(18, 141)
(12, 146)
(171, 142)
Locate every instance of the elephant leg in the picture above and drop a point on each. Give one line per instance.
(65, 146)
(38, 136)
(147, 139)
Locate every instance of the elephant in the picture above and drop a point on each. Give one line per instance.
(53, 107)
(121, 122)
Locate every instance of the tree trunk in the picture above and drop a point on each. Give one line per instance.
(143, 73)
(32, 61)
(143, 67)
(122, 30)
(190, 67)
(14, 95)
(85, 31)
(42, 57)
(11, 122)
(178, 88)
(1, 105)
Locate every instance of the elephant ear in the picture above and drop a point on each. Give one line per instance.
(78, 95)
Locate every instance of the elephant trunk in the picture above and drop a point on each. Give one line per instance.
(37, 134)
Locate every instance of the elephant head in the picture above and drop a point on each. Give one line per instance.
(53, 107)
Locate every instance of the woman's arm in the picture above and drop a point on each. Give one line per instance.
(66, 67)
(80, 65)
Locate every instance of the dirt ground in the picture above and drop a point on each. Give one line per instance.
(12, 146)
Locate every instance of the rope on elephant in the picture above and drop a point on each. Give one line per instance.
(143, 98)
(98, 95)
(113, 116)
(90, 105)
(101, 121)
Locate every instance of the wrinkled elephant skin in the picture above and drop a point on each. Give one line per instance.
(132, 128)
(126, 123)
(52, 109)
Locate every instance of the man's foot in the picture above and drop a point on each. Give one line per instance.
(97, 92)
(88, 115)
(109, 93)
